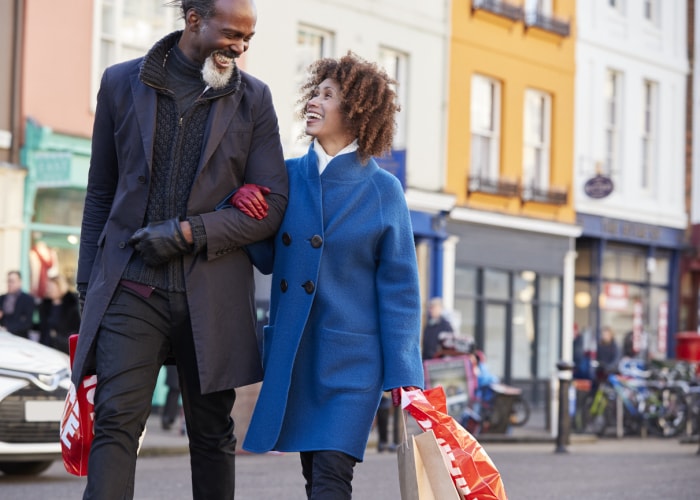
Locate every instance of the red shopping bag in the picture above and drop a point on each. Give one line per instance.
(472, 471)
(77, 421)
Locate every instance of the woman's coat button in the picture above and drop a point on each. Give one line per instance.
(284, 285)
(286, 239)
(309, 287)
(316, 241)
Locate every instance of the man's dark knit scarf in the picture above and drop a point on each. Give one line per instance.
(177, 147)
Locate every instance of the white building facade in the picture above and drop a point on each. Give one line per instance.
(632, 65)
(409, 39)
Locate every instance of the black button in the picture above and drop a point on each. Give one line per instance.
(122, 244)
(286, 239)
(142, 179)
(309, 287)
(284, 285)
(316, 241)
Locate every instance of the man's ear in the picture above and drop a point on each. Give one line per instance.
(193, 20)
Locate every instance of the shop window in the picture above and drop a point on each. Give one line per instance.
(548, 328)
(583, 261)
(467, 310)
(660, 268)
(496, 284)
(465, 281)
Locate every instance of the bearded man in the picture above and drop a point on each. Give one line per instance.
(161, 273)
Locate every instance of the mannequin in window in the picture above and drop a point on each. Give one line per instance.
(43, 262)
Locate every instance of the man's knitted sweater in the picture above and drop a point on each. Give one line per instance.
(180, 125)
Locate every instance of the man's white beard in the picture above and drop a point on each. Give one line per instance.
(213, 77)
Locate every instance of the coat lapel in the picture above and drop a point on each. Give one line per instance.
(222, 113)
(145, 116)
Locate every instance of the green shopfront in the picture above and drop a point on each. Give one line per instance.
(57, 168)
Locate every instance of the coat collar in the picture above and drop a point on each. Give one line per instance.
(152, 76)
(342, 168)
(153, 73)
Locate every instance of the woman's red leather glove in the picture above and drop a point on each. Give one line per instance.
(396, 394)
(250, 199)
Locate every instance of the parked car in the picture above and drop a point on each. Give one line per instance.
(34, 381)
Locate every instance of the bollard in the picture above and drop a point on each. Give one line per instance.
(565, 374)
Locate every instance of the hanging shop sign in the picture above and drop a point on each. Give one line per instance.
(598, 187)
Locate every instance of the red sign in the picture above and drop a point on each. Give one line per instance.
(615, 297)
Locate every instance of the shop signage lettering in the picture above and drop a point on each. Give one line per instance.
(629, 229)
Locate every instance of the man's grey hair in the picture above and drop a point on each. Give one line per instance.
(204, 8)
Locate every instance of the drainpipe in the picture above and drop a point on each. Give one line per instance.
(16, 92)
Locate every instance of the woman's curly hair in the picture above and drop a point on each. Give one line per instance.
(369, 102)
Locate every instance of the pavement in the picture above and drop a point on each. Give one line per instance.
(172, 442)
(529, 460)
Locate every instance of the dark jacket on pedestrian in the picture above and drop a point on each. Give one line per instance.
(57, 322)
(240, 145)
(20, 321)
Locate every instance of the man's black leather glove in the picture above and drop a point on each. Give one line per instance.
(159, 242)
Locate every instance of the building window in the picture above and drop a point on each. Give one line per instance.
(648, 135)
(126, 29)
(612, 121)
(312, 44)
(396, 65)
(485, 127)
(538, 7)
(617, 5)
(651, 11)
(536, 139)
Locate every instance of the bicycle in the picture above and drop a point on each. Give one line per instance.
(646, 405)
(486, 413)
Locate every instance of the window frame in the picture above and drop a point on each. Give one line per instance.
(613, 121)
(492, 133)
(649, 123)
(538, 174)
(396, 63)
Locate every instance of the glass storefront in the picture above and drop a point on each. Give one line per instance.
(514, 317)
(631, 292)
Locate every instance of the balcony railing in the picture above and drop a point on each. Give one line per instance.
(550, 195)
(500, 8)
(501, 187)
(547, 22)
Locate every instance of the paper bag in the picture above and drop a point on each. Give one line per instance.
(473, 473)
(423, 470)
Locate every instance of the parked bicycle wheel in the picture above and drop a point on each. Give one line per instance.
(520, 412)
(667, 410)
(599, 410)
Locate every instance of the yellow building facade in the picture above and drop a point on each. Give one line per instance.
(510, 165)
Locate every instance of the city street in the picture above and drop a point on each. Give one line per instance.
(631, 468)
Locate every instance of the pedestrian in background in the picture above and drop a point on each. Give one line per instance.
(59, 315)
(387, 411)
(17, 307)
(438, 334)
(608, 354)
(345, 308)
(161, 271)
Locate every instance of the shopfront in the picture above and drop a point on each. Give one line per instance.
(627, 279)
(57, 167)
(510, 289)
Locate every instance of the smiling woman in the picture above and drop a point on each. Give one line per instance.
(345, 309)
